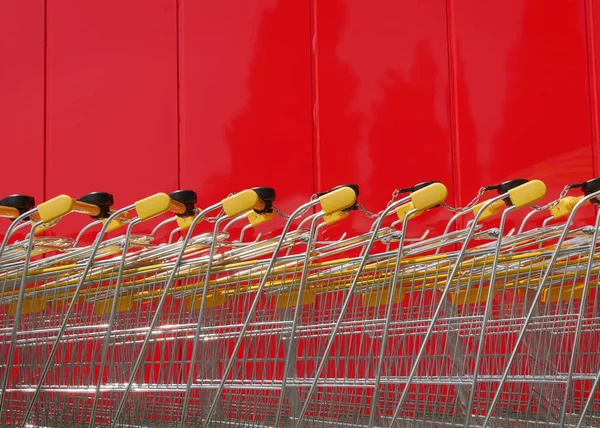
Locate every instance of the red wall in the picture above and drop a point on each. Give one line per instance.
(139, 96)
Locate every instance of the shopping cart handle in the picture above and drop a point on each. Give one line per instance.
(245, 201)
(429, 196)
(565, 206)
(588, 188)
(352, 186)
(519, 196)
(157, 204)
(492, 209)
(527, 193)
(267, 196)
(339, 198)
(403, 210)
(14, 205)
(102, 200)
(508, 185)
(262, 215)
(62, 205)
(188, 198)
(256, 219)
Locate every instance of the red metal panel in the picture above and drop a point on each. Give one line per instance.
(593, 22)
(112, 99)
(520, 93)
(245, 98)
(22, 99)
(381, 91)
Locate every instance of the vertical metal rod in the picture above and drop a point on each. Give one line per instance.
(17, 317)
(440, 305)
(344, 307)
(540, 288)
(190, 379)
(161, 302)
(111, 319)
(386, 327)
(74, 299)
(297, 310)
(486, 316)
(252, 309)
(589, 400)
(12, 227)
(586, 285)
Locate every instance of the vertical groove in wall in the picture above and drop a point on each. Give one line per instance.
(453, 104)
(592, 81)
(314, 89)
(45, 119)
(178, 108)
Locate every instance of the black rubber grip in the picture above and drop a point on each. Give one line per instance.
(102, 200)
(267, 195)
(502, 188)
(22, 203)
(189, 198)
(352, 186)
(591, 186)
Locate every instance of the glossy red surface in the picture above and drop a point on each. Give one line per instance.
(302, 96)
(141, 96)
(112, 100)
(22, 99)
(245, 99)
(520, 98)
(381, 95)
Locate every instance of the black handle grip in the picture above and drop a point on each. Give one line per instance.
(589, 187)
(22, 203)
(102, 200)
(187, 198)
(352, 186)
(502, 188)
(267, 195)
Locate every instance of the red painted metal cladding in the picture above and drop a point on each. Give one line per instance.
(245, 99)
(593, 38)
(520, 98)
(22, 99)
(111, 100)
(381, 100)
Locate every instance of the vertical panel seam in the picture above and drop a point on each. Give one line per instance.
(45, 101)
(592, 81)
(453, 104)
(178, 108)
(312, 90)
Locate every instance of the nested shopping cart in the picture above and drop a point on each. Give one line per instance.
(477, 326)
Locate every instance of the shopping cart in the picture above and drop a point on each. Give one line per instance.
(477, 326)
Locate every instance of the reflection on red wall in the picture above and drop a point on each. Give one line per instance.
(300, 95)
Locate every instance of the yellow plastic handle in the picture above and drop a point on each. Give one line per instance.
(337, 200)
(403, 210)
(62, 205)
(520, 196)
(429, 196)
(256, 219)
(493, 209)
(8, 212)
(157, 204)
(35, 217)
(117, 223)
(335, 217)
(184, 223)
(241, 202)
(527, 193)
(565, 206)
